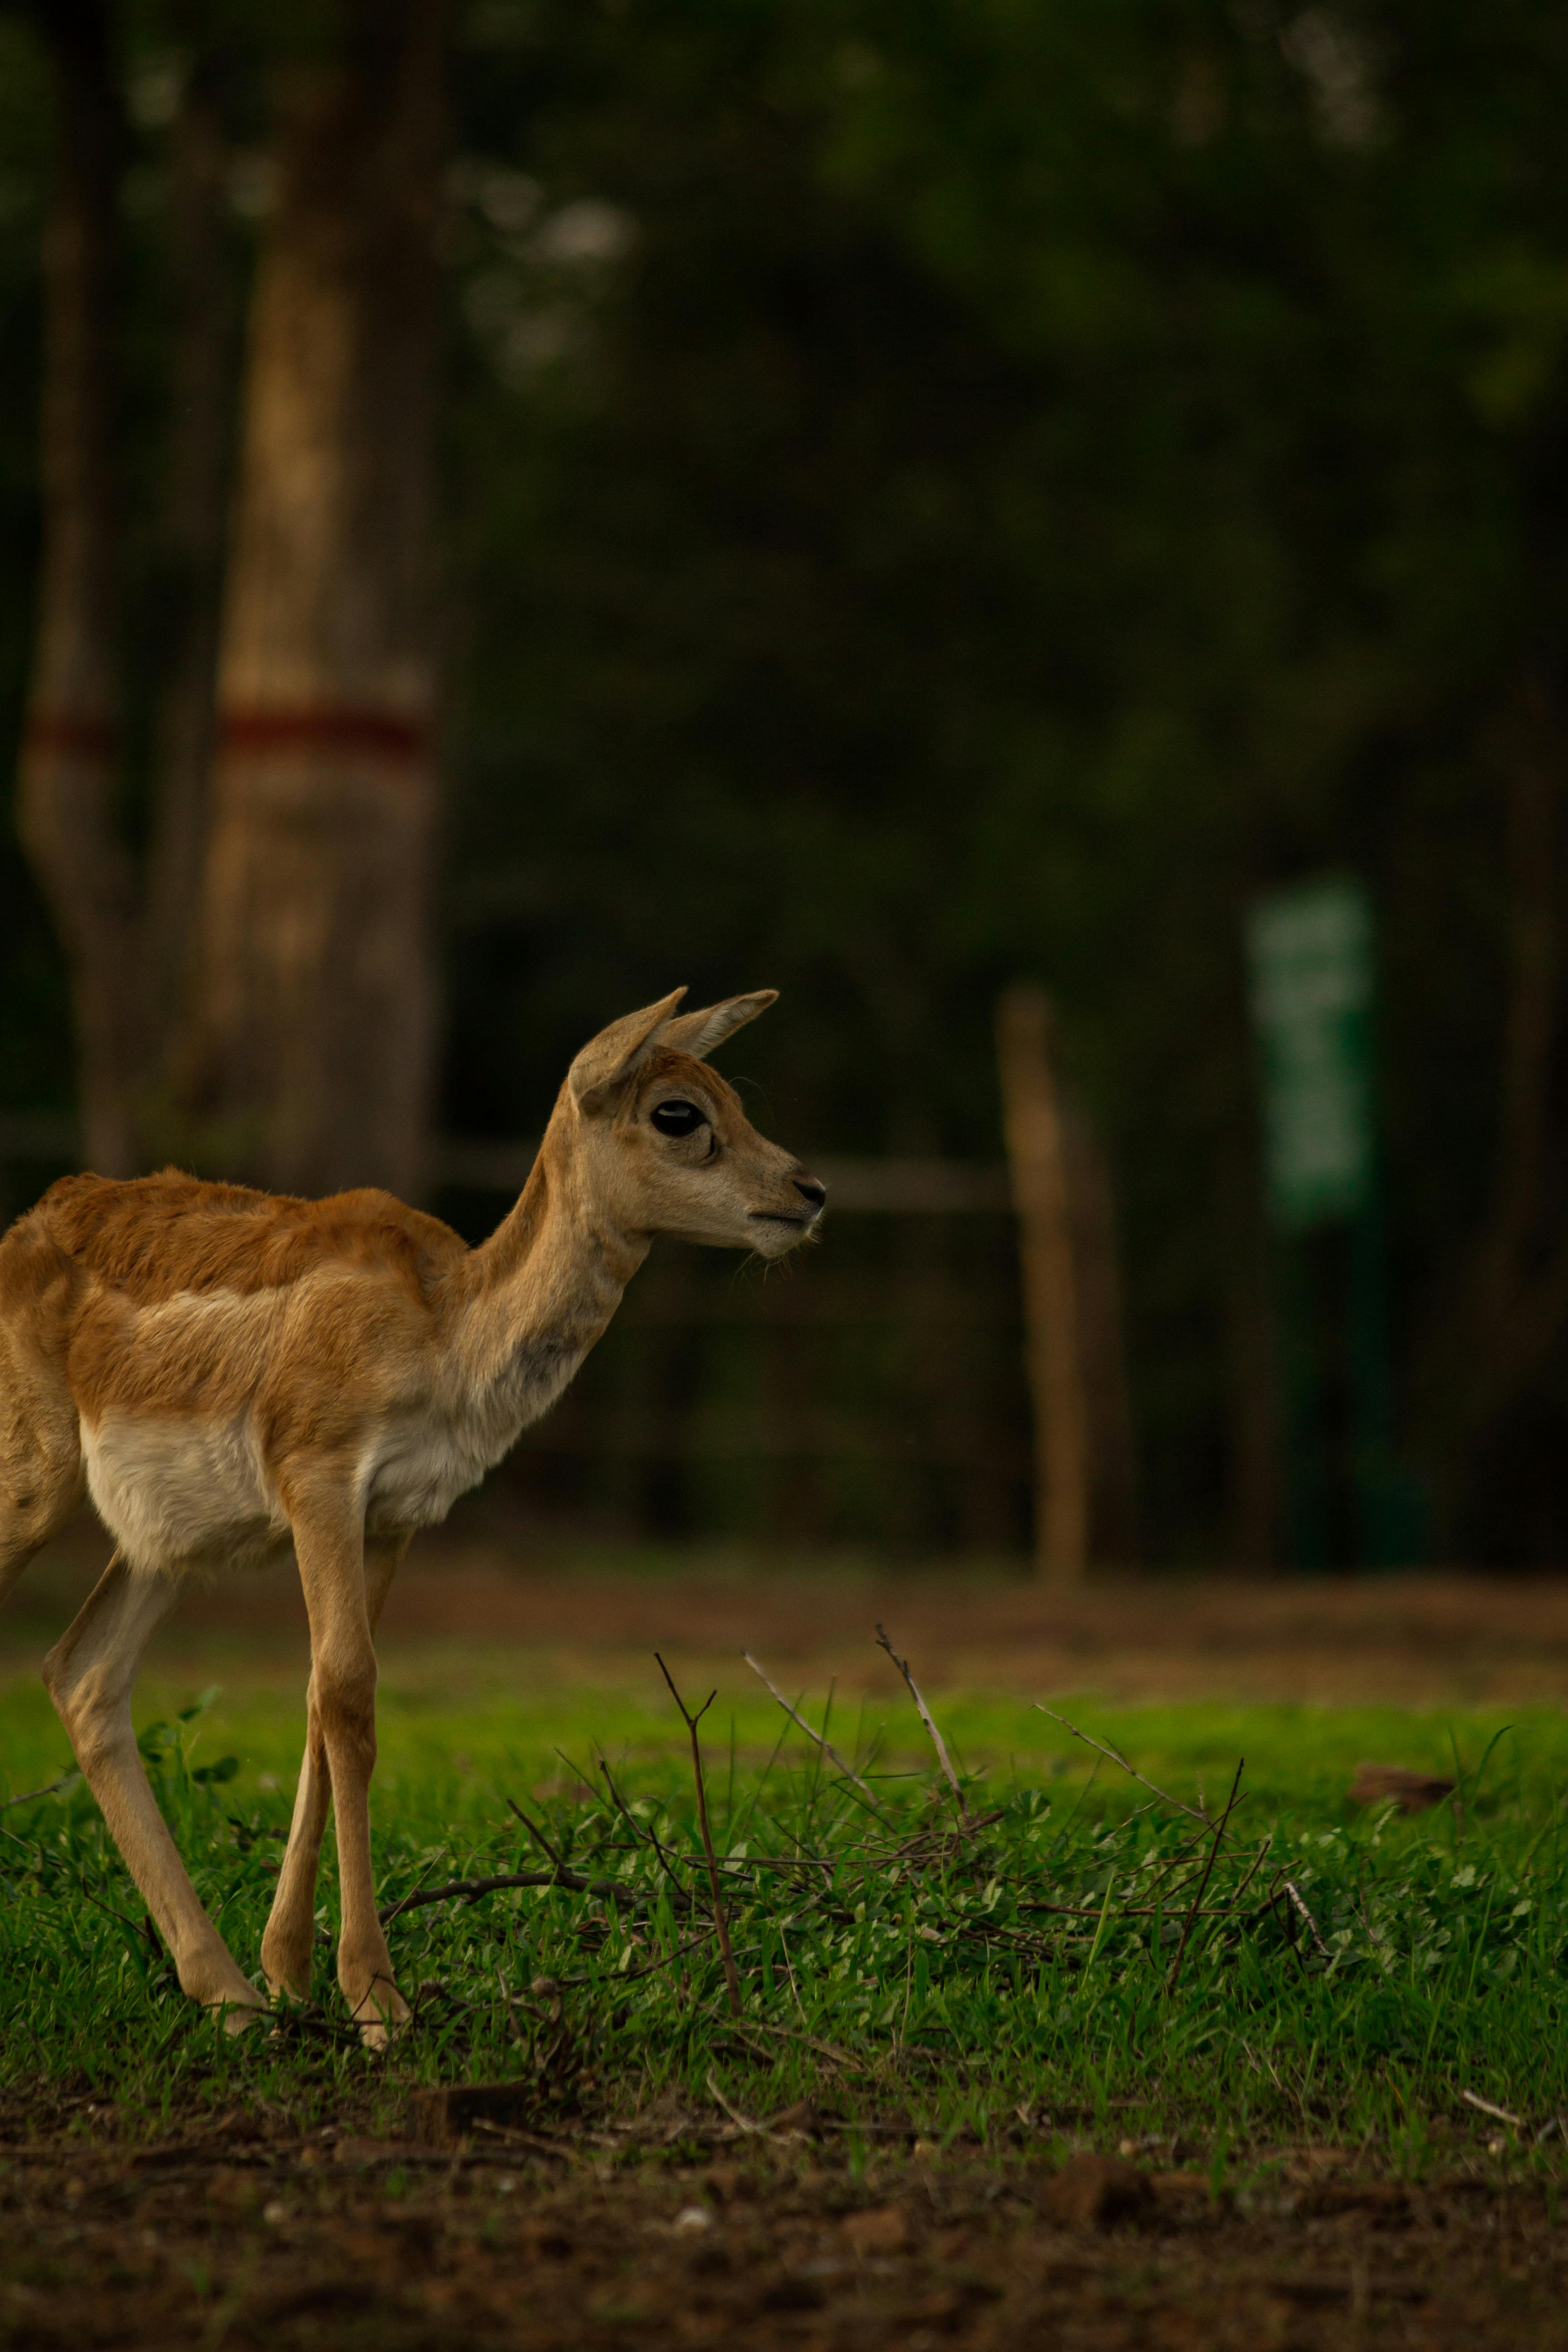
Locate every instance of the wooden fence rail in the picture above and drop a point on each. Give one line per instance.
(884, 1187)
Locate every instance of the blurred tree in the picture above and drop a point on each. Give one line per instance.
(202, 375)
(294, 1044)
(313, 1020)
(70, 762)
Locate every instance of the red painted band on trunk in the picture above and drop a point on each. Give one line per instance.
(328, 728)
(72, 738)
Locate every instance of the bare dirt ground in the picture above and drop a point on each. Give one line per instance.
(1417, 1639)
(249, 2236)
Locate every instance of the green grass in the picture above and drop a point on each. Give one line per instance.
(902, 1976)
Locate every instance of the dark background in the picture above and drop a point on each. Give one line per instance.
(935, 494)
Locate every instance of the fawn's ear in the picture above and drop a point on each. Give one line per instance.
(697, 1033)
(608, 1060)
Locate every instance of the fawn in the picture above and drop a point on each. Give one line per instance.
(231, 1373)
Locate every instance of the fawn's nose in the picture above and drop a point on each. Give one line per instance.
(810, 1190)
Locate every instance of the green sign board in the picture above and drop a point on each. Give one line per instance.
(1309, 950)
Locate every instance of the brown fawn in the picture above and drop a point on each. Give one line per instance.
(230, 1374)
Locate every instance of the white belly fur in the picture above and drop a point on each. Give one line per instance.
(422, 1463)
(178, 1493)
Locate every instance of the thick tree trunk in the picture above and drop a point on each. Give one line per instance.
(313, 1038)
(202, 390)
(68, 768)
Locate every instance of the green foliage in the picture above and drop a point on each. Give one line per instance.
(892, 1967)
(1033, 478)
(942, 491)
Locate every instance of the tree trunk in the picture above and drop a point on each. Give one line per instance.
(1512, 1308)
(1108, 1411)
(68, 767)
(1252, 1346)
(202, 390)
(1037, 1157)
(312, 1044)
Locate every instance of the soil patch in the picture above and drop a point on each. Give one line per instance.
(247, 2234)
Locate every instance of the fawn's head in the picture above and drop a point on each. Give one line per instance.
(662, 1144)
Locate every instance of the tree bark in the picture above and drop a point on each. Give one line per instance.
(1513, 1303)
(1097, 1265)
(68, 767)
(1530, 749)
(1037, 1157)
(202, 392)
(1252, 1346)
(312, 1045)
(1494, 1329)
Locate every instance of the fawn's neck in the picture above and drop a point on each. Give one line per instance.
(541, 1291)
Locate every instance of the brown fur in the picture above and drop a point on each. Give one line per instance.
(159, 1235)
(232, 1372)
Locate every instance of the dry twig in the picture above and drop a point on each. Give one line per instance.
(1485, 2107)
(1219, 1830)
(924, 1712)
(536, 1833)
(827, 1748)
(1114, 1756)
(1300, 1909)
(30, 1796)
(746, 2122)
(646, 1835)
(469, 1890)
(823, 2049)
(720, 1924)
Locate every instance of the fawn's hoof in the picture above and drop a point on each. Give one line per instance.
(239, 2016)
(381, 2016)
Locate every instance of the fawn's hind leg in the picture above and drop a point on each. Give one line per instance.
(90, 1673)
(41, 1473)
(40, 1486)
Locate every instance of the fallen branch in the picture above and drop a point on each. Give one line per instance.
(55, 1788)
(536, 1833)
(405, 1903)
(823, 2049)
(1302, 1912)
(1485, 2107)
(515, 2137)
(608, 1980)
(1147, 1910)
(924, 1712)
(1203, 1884)
(827, 1748)
(470, 1890)
(642, 1835)
(1114, 1756)
(720, 1924)
(746, 2122)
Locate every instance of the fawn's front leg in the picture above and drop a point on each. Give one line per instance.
(329, 1543)
(286, 1946)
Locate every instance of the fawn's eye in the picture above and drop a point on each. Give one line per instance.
(678, 1118)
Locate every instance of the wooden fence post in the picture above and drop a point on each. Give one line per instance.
(1037, 1159)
